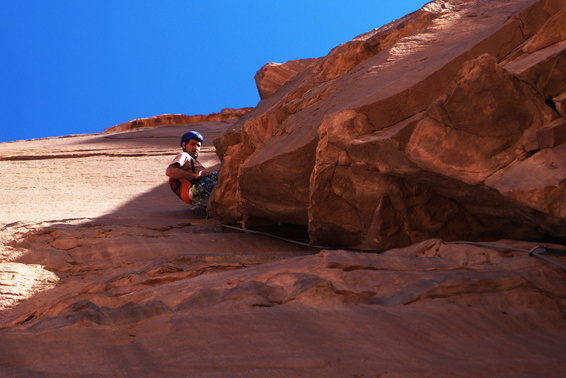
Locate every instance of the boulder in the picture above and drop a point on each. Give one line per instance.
(413, 131)
(273, 75)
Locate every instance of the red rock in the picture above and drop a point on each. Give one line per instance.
(177, 119)
(470, 140)
(106, 272)
(273, 75)
(552, 135)
(553, 31)
(396, 132)
(560, 103)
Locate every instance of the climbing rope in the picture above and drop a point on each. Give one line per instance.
(301, 243)
(536, 251)
(274, 236)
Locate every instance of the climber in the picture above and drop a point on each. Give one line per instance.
(188, 179)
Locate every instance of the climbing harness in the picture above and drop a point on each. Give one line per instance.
(537, 251)
(203, 185)
(200, 193)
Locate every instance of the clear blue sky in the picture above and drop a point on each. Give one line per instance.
(80, 66)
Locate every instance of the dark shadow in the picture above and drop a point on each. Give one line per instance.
(159, 206)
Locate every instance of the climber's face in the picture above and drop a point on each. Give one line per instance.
(192, 147)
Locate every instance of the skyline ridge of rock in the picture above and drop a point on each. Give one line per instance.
(178, 119)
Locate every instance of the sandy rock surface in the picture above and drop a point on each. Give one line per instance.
(103, 271)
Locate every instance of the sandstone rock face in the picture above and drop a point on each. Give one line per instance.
(178, 119)
(273, 75)
(105, 272)
(445, 124)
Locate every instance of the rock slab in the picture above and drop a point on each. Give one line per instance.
(443, 124)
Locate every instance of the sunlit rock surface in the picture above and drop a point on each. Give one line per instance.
(103, 271)
(273, 75)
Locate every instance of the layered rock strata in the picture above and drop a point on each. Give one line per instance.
(105, 272)
(446, 123)
(178, 119)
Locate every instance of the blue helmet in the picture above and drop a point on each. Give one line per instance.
(191, 135)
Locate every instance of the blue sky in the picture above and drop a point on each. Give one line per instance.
(78, 66)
